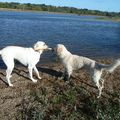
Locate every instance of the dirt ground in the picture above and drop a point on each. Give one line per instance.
(11, 97)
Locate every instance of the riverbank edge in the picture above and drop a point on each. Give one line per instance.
(115, 19)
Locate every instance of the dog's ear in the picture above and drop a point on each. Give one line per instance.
(35, 47)
(59, 49)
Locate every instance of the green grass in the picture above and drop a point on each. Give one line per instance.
(109, 18)
(72, 103)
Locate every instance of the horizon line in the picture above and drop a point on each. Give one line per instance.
(61, 6)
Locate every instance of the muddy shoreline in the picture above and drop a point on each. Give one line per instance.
(11, 98)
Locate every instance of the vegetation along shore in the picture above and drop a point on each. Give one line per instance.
(115, 16)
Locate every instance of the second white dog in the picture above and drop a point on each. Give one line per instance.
(27, 56)
(73, 62)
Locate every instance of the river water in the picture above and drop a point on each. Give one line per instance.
(82, 35)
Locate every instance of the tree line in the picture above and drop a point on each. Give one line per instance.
(50, 8)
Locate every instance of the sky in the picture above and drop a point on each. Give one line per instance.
(103, 5)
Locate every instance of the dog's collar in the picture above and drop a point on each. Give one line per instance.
(38, 50)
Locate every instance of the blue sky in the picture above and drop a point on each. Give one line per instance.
(104, 5)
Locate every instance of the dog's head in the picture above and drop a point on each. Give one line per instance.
(59, 49)
(41, 46)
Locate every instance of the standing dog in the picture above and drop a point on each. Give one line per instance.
(27, 56)
(73, 62)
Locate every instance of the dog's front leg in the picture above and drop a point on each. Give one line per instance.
(63, 75)
(68, 73)
(8, 76)
(30, 68)
(37, 72)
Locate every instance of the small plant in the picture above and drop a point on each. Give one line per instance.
(69, 103)
(57, 99)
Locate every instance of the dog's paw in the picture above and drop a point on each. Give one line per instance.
(60, 78)
(10, 76)
(34, 81)
(11, 85)
(39, 78)
(98, 96)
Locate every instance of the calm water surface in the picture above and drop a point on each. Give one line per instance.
(82, 35)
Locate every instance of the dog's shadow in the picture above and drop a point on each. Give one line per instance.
(2, 72)
(23, 72)
(2, 78)
(49, 71)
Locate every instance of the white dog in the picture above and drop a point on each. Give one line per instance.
(73, 62)
(27, 56)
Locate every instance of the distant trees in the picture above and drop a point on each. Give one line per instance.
(43, 7)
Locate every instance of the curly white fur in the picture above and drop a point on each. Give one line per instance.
(73, 62)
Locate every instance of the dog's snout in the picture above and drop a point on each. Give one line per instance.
(48, 48)
(53, 49)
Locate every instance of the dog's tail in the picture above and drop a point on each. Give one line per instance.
(110, 68)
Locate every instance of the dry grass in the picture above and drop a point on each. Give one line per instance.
(53, 99)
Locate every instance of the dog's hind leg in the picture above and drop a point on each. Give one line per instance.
(102, 83)
(30, 68)
(10, 66)
(96, 76)
(99, 88)
(37, 72)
